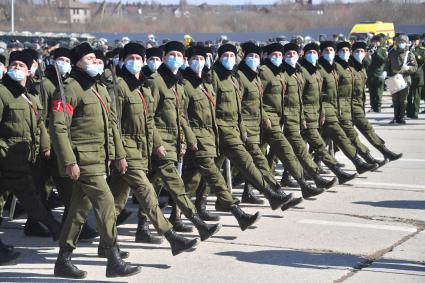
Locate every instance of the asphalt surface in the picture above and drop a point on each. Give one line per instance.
(371, 230)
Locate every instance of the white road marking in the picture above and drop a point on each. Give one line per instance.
(390, 185)
(358, 225)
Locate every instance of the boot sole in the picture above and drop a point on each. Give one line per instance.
(328, 185)
(112, 275)
(58, 274)
(258, 217)
(291, 203)
(348, 179)
(367, 170)
(189, 249)
(385, 161)
(395, 158)
(148, 242)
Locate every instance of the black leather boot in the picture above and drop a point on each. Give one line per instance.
(205, 230)
(123, 216)
(177, 222)
(340, 165)
(276, 200)
(248, 195)
(116, 267)
(323, 183)
(53, 225)
(343, 177)
(143, 235)
(369, 159)
(288, 181)
(101, 251)
(88, 233)
(308, 190)
(244, 219)
(363, 167)
(201, 208)
(65, 268)
(180, 244)
(319, 164)
(389, 154)
(291, 200)
(7, 254)
(33, 228)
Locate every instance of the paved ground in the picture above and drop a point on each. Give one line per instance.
(369, 231)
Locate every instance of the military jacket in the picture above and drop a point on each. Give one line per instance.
(345, 88)
(293, 115)
(395, 63)
(418, 76)
(329, 92)
(377, 63)
(359, 89)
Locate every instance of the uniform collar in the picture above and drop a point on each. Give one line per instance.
(355, 64)
(30, 86)
(50, 74)
(169, 77)
(343, 63)
(247, 71)
(288, 68)
(308, 66)
(222, 72)
(83, 78)
(13, 86)
(326, 65)
(276, 70)
(131, 79)
(193, 78)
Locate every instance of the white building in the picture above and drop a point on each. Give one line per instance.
(74, 11)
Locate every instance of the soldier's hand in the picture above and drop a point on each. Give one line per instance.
(160, 151)
(46, 154)
(267, 124)
(121, 165)
(244, 136)
(305, 125)
(404, 69)
(73, 171)
(194, 147)
(322, 121)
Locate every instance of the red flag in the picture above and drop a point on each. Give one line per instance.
(58, 107)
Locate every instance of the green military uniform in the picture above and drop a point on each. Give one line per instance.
(90, 143)
(22, 136)
(200, 104)
(172, 126)
(273, 98)
(139, 137)
(394, 65)
(415, 91)
(376, 81)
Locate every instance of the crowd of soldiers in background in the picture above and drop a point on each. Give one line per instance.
(299, 98)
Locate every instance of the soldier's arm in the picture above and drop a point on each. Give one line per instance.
(118, 149)
(412, 65)
(188, 133)
(58, 127)
(1, 109)
(44, 136)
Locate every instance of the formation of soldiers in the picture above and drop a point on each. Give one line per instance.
(165, 119)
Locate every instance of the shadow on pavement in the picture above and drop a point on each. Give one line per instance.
(396, 264)
(406, 204)
(298, 259)
(33, 277)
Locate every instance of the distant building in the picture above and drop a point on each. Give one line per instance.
(74, 12)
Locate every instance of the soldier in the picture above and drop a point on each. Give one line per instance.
(22, 137)
(358, 103)
(274, 87)
(331, 127)
(293, 115)
(176, 136)
(415, 91)
(376, 73)
(2, 66)
(82, 129)
(314, 111)
(345, 87)
(402, 61)
(153, 61)
(200, 105)
(255, 119)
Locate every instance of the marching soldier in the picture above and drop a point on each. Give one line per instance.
(402, 61)
(81, 129)
(153, 61)
(415, 91)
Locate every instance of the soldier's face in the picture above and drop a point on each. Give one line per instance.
(328, 50)
(291, 54)
(344, 50)
(88, 59)
(19, 65)
(176, 54)
(134, 57)
(276, 54)
(64, 59)
(228, 55)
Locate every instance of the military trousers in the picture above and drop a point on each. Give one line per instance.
(166, 170)
(334, 132)
(399, 103)
(87, 192)
(350, 131)
(362, 124)
(376, 90)
(414, 101)
(318, 146)
(280, 147)
(261, 162)
(204, 168)
(145, 193)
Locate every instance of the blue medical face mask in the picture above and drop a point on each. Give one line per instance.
(92, 70)
(208, 62)
(359, 56)
(329, 57)
(344, 56)
(252, 63)
(312, 58)
(16, 75)
(100, 69)
(277, 61)
(184, 66)
(133, 66)
(291, 61)
(154, 65)
(197, 66)
(228, 62)
(1, 73)
(33, 70)
(173, 63)
(63, 67)
(402, 45)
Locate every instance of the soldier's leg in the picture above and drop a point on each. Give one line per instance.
(301, 151)
(120, 190)
(410, 101)
(262, 164)
(380, 92)
(396, 105)
(352, 134)
(363, 125)
(373, 93)
(191, 177)
(318, 146)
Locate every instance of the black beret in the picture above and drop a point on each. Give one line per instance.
(154, 52)
(100, 55)
(80, 51)
(196, 50)
(116, 51)
(250, 47)
(109, 55)
(174, 46)
(291, 47)
(2, 59)
(343, 44)
(208, 49)
(274, 47)
(32, 53)
(226, 48)
(22, 56)
(61, 52)
(414, 37)
(133, 48)
(359, 44)
(326, 44)
(311, 46)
